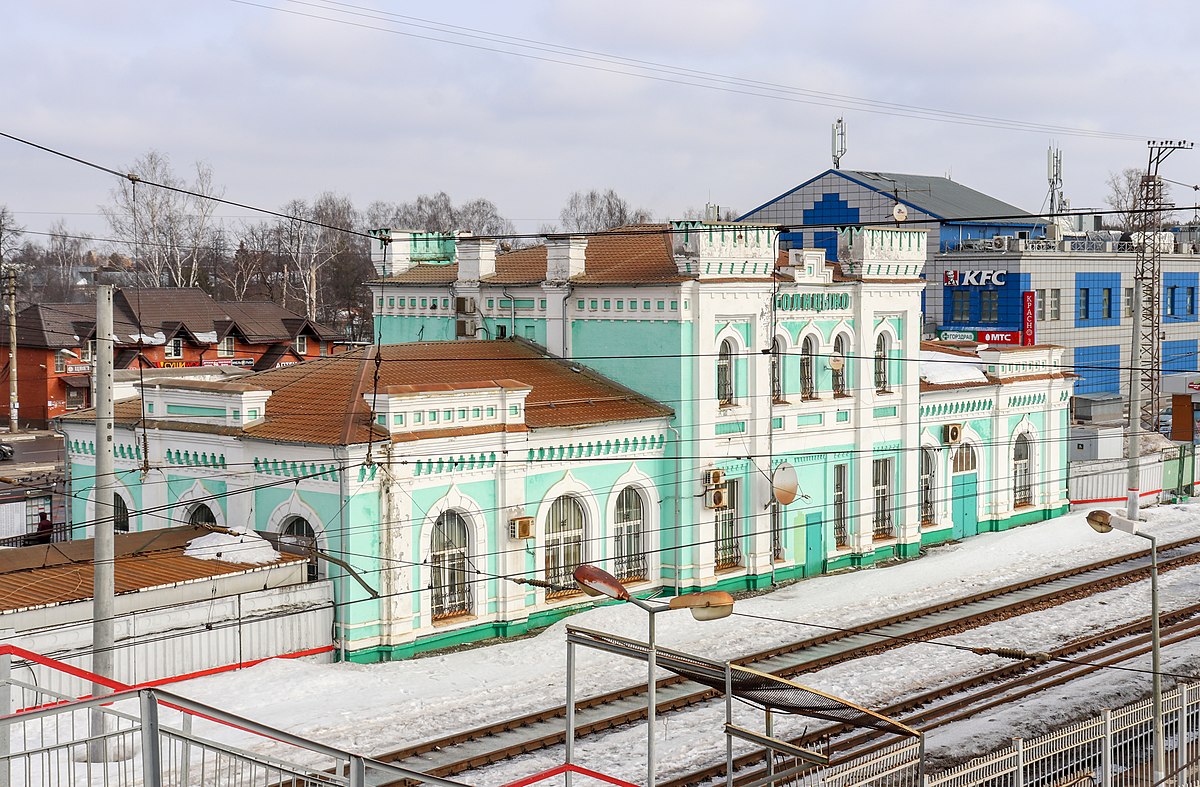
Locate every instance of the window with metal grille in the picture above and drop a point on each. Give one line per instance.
(839, 374)
(449, 581)
(777, 353)
(202, 515)
(964, 459)
(989, 306)
(776, 531)
(297, 537)
(630, 533)
(882, 475)
(725, 393)
(174, 349)
(564, 545)
(1022, 480)
(729, 529)
(808, 387)
(927, 485)
(960, 306)
(841, 518)
(120, 514)
(881, 364)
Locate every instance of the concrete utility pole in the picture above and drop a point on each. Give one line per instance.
(103, 604)
(14, 405)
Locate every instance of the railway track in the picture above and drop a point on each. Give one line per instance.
(481, 746)
(969, 697)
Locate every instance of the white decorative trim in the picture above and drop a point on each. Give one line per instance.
(181, 509)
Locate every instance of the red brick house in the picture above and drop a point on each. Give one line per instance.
(155, 328)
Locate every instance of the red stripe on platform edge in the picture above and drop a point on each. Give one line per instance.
(1112, 499)
(231, 667)
(556, 770)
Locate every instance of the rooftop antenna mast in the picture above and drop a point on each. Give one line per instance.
(1058, 203)
(839, 142)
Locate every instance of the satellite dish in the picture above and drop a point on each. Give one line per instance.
(899, 212)
(785, 484)
(836, 362)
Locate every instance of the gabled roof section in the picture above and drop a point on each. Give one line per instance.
(637, 254)
(939, 197)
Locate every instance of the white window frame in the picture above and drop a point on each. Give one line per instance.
(227, 347)
(174, 348)
(301, 344)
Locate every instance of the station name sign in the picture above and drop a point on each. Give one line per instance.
(973, 278)
(812, 301)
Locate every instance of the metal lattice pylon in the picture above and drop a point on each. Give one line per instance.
(1146, 363)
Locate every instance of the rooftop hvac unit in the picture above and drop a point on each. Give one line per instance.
(952, 434)
(714, 477)
(520, 528)
(1000, 242)
(464, 305)
(716, 498)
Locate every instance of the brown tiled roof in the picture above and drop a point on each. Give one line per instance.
(638, 254)
(320, 401)
(54, 573)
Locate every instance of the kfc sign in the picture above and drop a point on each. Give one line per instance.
(973, 278)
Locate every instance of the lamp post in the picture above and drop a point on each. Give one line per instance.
(705, 605)
(1105, 522)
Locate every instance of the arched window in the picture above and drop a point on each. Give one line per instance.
(448, 567)
(928, 485)
(202, 515)
(725, 393)
(297, 537)
(964, 459)
(630, 527)
(564, 544)
(777, 352)
(120, 514)
(808, 386)
(1022, 478)
(839, 365)
(881, 364)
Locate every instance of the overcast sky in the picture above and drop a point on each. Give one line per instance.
(287, 99)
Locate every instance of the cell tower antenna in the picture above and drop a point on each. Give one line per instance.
(839, 142)
(1055, 179)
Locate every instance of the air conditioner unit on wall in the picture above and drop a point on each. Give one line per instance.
(952, 434)
(520, 528)
(714, 477)
(715, 498)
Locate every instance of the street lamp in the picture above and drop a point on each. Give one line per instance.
(1105, 522)
(705, 605)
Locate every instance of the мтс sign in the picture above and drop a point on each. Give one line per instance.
(973, 278)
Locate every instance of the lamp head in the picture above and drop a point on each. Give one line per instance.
(1105, 522)
(705, 605)
(598, 582)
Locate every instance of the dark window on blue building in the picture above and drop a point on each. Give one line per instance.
(960, 306)
(1083, 303)
(1106, 303)
(989, 306)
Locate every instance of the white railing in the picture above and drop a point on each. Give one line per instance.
(1111, 749)
(1074, 245)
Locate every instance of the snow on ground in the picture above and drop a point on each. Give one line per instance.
(371, 709)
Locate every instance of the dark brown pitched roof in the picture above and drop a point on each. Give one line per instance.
(639, 254)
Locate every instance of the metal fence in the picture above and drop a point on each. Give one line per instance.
(1109, 750)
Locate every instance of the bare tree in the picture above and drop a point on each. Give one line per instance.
(710, 213)
(594, 211)
(1125, 197)
(314, 238)
(438, 213)
(10, 233)
(66, 258)
(165, 230)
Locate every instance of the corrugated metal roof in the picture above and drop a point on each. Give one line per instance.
(61, 572)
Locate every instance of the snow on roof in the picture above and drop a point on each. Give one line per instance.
(941, 368)
(246, 548)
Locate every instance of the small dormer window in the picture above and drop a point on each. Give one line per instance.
(302, 344)
(174, 349)
(225, 348)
